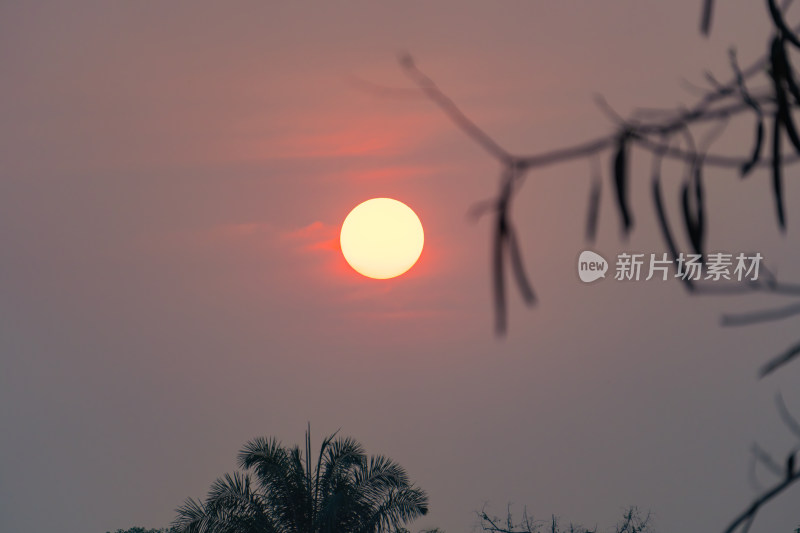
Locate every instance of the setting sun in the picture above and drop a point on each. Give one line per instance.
(382, 238)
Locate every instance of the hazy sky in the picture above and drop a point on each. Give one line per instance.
(174, 176)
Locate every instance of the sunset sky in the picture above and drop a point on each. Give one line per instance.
(173, 179)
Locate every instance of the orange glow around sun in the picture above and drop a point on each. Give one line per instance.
(382, 238)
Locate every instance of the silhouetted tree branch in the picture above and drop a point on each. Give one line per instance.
(664, 134)
(661, 137)
(649, 136)
(746, 518)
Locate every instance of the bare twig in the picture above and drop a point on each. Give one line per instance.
(452, 111)
(749, 513)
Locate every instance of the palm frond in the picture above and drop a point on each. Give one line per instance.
(231, 507)
(380, 475)
(399, 506)
(192, 517)
(323, 450)
(341, 456)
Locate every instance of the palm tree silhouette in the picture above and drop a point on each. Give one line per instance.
(281, 491)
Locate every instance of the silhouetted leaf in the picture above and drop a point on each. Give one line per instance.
(705, 22)
(693, 208)
(518, 268)
(776, 63)
(788, 123)
(779, 75)
(663, 223)
(661, 214)
(759, 135)
(777, 18)
(497, 275)
(788, 74)
(688, 217)
(783, 118)
(621, 181)
(756, 155)
(593, 212)
(777, 179)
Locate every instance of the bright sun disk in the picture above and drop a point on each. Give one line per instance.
(382, 238)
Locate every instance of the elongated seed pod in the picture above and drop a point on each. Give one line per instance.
(593, 212)
(693, 209)
(705, 22)
(778, 76)
(497, 274)
(661, 214)
(756, 155)
(777, 178)
(518, 268)
(621, 182)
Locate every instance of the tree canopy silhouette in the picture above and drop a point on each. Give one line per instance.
(633, 521)
(283, 490)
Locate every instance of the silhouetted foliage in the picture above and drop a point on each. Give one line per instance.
(138, 529)
(282, 490)
(663, 134)
(632, 522)
(668, 133)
